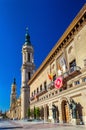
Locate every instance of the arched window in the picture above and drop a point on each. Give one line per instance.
(34, 92)
(41, 87)
(29, 75)
(37, 90)
(45, 85)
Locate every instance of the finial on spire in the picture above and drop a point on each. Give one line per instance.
(14, 81)
(27, 37)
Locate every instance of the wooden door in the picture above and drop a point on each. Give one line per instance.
(67, 113)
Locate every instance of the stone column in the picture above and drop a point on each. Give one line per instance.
(60, 112)
(50, 112)
(51, 116)
(45, 113)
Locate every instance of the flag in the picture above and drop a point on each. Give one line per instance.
(62, 61)
(58, 82)
(59, 67)
(50, 76)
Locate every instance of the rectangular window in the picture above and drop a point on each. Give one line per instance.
(77, 82)
(84, 79)
(72, 64)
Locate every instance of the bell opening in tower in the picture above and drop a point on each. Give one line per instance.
(29, 75)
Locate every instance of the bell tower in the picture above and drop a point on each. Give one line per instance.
(13, 93)
(27, 70)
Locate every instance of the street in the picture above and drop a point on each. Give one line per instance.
(22, 125)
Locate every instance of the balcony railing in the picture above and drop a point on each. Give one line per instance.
(66, 74)
(51, 85)
(41, 92)
(38, 94)
(75, 69)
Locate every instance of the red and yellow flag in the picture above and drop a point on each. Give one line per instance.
(50, 76)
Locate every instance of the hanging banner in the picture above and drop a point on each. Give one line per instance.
(58, 82)
(63, 64)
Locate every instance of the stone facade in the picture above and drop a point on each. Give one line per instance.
(15, 104)
(67, 60)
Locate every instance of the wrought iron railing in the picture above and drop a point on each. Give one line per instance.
(74, 69)
(51, 85)
(41, 92)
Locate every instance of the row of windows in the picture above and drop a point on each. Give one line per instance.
(39, 89)
(78, 82)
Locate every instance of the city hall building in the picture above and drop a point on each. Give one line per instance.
(58, 87)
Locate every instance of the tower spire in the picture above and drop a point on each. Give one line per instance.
(27, 38)
(14, 82)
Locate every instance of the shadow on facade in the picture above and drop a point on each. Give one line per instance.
(79, 113)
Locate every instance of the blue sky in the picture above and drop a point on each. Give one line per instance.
(46, 19)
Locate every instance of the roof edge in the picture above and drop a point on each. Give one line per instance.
(68, 30)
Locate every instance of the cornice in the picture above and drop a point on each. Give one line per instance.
(78, 22)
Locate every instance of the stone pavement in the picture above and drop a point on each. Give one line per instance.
(25, 125)
(48, 126)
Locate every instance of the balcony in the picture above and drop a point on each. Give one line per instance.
(41, 92)
(66, 74)
(38, 94)
(51, 85)
(74, 71)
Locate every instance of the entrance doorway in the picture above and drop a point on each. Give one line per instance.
(65, 112)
